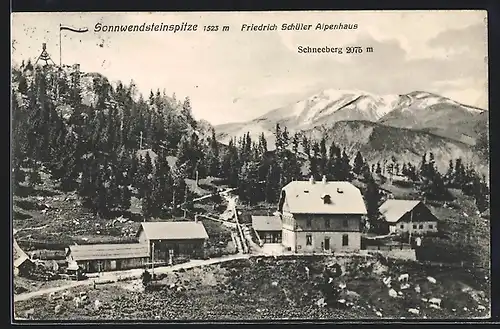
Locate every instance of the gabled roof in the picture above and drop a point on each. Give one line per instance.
(108, 251)
(19, 261)
(305, 197)
(174, 230)
(393, 209)
(266, 223)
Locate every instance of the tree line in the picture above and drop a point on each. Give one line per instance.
(118, 146)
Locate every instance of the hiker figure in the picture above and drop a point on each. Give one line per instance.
(146, 277)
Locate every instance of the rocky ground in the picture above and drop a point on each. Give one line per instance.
(283, 288)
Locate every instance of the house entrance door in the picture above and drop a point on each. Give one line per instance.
(327, 243)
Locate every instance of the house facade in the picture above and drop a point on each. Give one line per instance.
(408, 216)
(268, 228)
(321, 216)
(166, 240)
(107, 257)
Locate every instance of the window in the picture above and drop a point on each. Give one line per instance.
(415, 226)
(345, 223)
(309, 240)
(327, 223)
(421, 226)
(326, 244)
(345, 240)
(308, 222)
(431, 226)
(402, 226)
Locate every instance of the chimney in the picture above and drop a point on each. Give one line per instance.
(196, 218)
(323, 180)
(311, 180)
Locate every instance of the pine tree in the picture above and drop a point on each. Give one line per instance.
(314, 169)
(373, 199)
(323, 157)
(306, 146)
(424, 168)
(272, 183)
(188, 113)
(249, 186)
(449, 176)
(125, 198)
(378, 170)
(262, 144)
(212, 157)
(359, 163)
(279, 143)
(459, 174)
(295, 143)
(345, 167)
(334, 164)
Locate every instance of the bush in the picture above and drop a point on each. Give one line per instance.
(402, 183)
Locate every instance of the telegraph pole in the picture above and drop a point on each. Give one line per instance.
(60, 46)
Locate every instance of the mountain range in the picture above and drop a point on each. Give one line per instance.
(379, 126)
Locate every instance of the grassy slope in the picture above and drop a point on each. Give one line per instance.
(278, 289)
(57, 219)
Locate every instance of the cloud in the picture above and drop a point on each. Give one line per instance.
(263, 70)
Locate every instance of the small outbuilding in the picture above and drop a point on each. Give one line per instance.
(108, 257)
(166, 240)
(405, 216)
(269, 228)
(23, 266)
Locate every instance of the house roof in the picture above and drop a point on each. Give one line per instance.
(19, 261)
(174, 230)
(266, 223)
(305, 197)
(108, 251)
(393, 209)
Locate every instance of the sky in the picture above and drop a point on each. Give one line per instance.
(236, 76)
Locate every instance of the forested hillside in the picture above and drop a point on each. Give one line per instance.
(109, 144)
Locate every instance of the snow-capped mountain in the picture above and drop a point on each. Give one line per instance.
(417, 110)
(379, 125)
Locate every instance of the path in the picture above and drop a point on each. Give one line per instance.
(133, 274)
(223, 193)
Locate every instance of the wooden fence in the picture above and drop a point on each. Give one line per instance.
(402, 246)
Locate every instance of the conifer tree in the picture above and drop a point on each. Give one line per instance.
(306, 146)
(373, 199)
(212, 157)
(378, 169)
(359, 163)
(262, 144)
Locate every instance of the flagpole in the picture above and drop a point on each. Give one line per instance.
(60, 47)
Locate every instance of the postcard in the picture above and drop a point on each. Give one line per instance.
(243, 166)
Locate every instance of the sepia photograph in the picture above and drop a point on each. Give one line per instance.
(244, 166)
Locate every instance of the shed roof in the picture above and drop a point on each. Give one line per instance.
(108, 251)
(266, 223)
(393, 209)
(174, 230)
(19, 261)
(306, 197)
